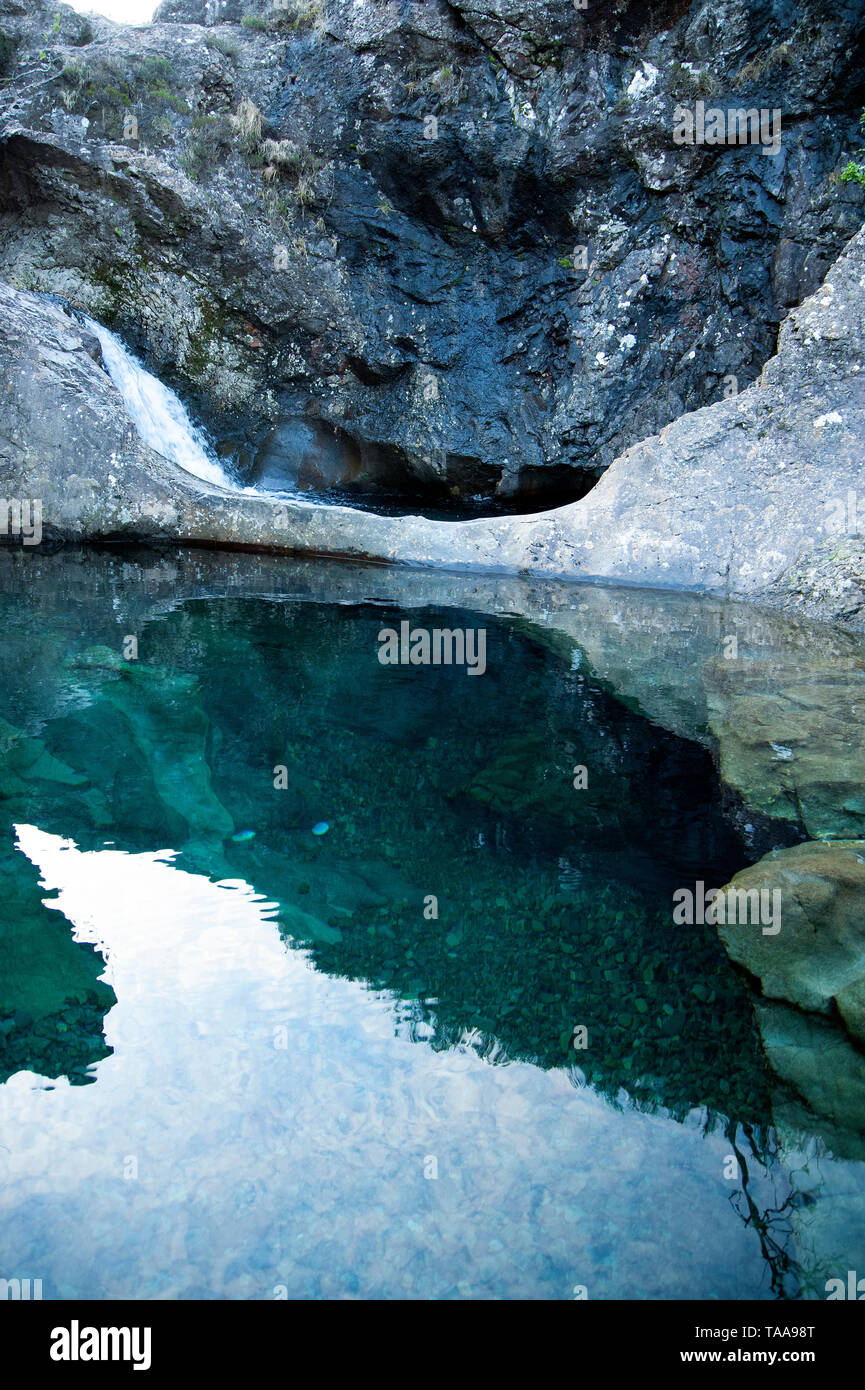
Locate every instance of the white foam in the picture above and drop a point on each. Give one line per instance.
(158, 415)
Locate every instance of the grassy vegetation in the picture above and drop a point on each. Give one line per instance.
(285, 157)
(291, 169)
(287, 161)
(7, 52)
(855, 170)
(246, 125)
(297, 16)
(687, 85)
(222, 43)
(208, 140)
(447, 87)
(759, 67)
(106, 84)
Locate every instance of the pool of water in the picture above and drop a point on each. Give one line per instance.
(321, 978)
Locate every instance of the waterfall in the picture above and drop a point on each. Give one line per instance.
(159, 417)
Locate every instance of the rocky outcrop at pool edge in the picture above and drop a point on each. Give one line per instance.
(813, 955)
(731, 499)
(810, 968)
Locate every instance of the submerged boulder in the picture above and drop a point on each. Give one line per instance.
(818, 1062)
(164, 721)
(810, 969)
(813, 954)
(787, 735)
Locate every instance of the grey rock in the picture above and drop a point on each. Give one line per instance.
(728, 499)
(817, 1060)
(815, 959)
(423, 295)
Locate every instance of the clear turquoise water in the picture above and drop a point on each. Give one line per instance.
(245, 1065)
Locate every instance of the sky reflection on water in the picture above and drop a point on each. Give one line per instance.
(261, 1165)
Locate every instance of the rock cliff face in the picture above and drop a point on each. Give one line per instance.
(457, 241)
(736, 498)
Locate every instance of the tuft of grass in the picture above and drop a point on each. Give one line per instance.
(758, 68)
(208, 140)
(246, 124)
(447, 86)
(296, 15)
(222, 43)
(105, 83)
(687, 85)
(306, 191)
(286, 157)
(254, 21)
(299, 165)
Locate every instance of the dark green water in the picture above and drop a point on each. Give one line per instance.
(241, 1059)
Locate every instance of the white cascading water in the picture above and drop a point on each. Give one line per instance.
(157, 414)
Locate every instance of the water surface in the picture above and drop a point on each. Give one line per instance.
(243, 1060)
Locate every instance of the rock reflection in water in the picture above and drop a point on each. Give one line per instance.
(552, 914)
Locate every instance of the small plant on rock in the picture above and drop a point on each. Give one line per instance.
(246, 124)
(447, 87)
(207, 141)
(305, 190)
(855, 170)
(296, 15)
(222, 43)
(285, 157)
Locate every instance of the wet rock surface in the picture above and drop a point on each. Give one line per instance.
(661, 654)
(785, 731)
(813, 955)
(809, 966)
(371, 215)
(820, 1064)
(729, 499)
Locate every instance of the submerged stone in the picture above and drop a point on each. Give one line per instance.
(816, 960)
